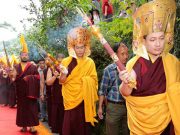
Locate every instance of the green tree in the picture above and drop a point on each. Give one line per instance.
(51, 14)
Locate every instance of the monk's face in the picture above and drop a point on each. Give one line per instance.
(24, 57)
(154, 43)
(122, 53)
(79, 50)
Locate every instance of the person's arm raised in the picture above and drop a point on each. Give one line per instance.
(50, 78)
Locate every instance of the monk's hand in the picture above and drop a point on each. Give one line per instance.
(128, 77)
(25, 78)
(63, 69)
(124, 76)
(56, 74)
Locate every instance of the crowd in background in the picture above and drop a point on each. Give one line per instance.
(104, 11)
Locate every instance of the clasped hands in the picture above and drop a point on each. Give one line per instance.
(62, 69)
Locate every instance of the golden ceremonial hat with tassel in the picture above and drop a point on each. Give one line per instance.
(78, 35)
(24, 44)
(154, 16)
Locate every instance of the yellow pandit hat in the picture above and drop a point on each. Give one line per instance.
(14, 60)
(154, 16)
(4, 61)
(24, 44)
(78, 35)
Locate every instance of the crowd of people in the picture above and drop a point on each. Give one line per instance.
(94, 15)
(104, 11)
(63, 91)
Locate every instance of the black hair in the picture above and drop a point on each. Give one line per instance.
(96, 11)
(41, 60)
(117, 45)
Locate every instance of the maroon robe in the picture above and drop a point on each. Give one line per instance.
(12, 93)
(74, 122)
(57, 113)
(3, 89)
(27, 94)
(74, 119)
(151, 80)
(48, 97)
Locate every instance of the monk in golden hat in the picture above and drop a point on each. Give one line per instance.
(79, 84)
(153, 105)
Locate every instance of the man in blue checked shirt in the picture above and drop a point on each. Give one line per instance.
(116, 113)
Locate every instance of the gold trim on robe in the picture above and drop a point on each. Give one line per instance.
(151, 114)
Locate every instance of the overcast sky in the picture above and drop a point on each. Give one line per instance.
(12, 13)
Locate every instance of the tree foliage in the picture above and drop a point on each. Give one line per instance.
(51, 14)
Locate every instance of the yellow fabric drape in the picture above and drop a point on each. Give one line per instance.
(172, 72)
(148, 115)
(151, 114)
(81, 84)
(23, 66)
